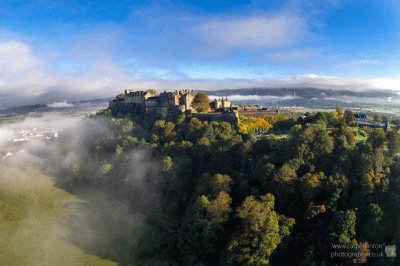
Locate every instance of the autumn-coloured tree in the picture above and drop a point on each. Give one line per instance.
(253, 124)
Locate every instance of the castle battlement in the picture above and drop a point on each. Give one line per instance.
(133, 92)
(182, 92)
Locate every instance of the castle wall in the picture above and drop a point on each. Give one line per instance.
(168, 99)
(138, 97)
(152, 102)
(226, 103)
(186, 101)
(216, 104)
(221, 104)
(122, 107)
(138, 102)
(231, 117)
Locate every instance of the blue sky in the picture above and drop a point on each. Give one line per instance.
(64, 49)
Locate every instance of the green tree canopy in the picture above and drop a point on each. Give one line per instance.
(120, 97)
(201, 225)
(152, 91)
(343, 227)
(349, 116)
(201, 102)
(260, 232)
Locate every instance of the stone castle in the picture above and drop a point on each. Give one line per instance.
(138, 102)
(167, 103)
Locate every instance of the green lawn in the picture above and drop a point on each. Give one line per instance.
(357, 133)
(31, 214)
(358, 137)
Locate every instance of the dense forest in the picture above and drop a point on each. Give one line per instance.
(314, 191)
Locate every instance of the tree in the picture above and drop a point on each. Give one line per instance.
(120, 97)
(128, 127)
(201, 225)
(286, 173)
(118, 150)
(321, 118)
(193, 127)
(248, 125)
(393, 139)
(212, 185)
(75, 169)
(377, 117)
(260, 232)
(386, 119)
(153, 92)
(343, 227)
(201, 102)
(167, 164)
(314, 210)
(310, 184)
(312, 140)
(377, 137)
(163, 129)
(340, 191)
(106, 168)
(340, 111)
(336, 187)
(372, 222)
(349, 116)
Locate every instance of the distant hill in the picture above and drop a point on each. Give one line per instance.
(67, 107)
(314, 97)
(307, 92)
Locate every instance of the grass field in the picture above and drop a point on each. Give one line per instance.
(358, 137)
(10, 119)
(383, 110)
(31, 214)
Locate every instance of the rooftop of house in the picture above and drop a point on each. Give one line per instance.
(222, 99)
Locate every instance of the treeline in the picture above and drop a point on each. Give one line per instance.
(235, 199)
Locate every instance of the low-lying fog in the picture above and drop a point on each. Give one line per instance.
(100, 224)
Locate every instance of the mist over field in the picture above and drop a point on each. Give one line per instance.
(76, 215)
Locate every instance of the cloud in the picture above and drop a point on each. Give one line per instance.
(25, 78)
(333, 82)
(358, 63)
(252, 32)
(19, 66)
(59, 105)
(290, 56)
